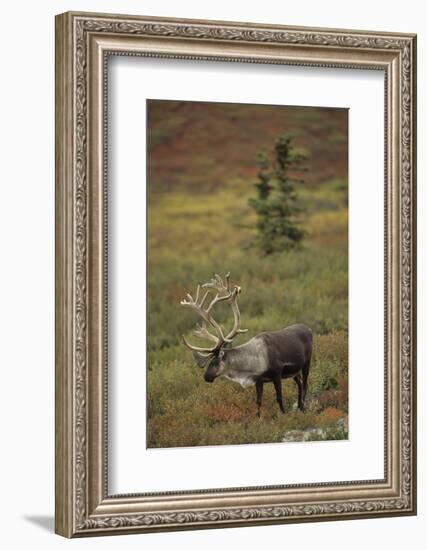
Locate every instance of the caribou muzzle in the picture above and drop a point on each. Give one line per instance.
(209, 377)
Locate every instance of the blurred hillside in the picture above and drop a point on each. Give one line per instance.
(201, 146)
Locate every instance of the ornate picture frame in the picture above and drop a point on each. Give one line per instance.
(84, 42)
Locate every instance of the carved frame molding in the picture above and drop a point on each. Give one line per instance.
(83, 43)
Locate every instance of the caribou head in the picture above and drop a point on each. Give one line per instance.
(203, 303)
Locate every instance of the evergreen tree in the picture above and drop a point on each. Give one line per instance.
(276, 204)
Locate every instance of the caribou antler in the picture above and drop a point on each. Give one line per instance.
(203, 333)
(223, 293)
(218, 284)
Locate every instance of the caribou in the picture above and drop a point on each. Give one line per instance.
(269, 356)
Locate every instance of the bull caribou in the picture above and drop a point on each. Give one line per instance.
(267, 357)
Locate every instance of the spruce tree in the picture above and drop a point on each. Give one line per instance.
(277, 205)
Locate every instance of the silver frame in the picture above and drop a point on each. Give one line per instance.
(83, 43)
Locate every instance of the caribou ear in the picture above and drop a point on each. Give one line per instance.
(201, 359)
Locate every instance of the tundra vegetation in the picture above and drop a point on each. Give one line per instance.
(200, 221)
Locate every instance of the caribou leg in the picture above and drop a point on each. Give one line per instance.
(277, 381)
(299, 383)
(259, 387)
(305, 372)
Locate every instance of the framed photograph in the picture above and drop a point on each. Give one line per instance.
(235, 274)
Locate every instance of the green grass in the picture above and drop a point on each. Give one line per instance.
(195, 231)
